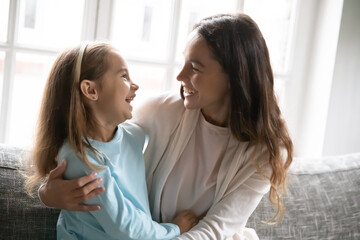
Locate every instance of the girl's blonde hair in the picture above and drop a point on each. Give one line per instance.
(63, 113)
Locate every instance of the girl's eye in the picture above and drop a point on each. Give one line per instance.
(125, 76)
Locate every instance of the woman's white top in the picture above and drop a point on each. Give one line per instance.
(235, 184)
(191, 183)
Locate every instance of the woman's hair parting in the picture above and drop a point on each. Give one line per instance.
(239, 47)
(63, 113)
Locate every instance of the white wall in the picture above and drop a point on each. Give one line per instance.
(296, 85)
(309, 87)
(343, 126)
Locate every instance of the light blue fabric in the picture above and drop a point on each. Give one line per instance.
(124, 210)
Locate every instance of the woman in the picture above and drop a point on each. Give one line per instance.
(216, 150)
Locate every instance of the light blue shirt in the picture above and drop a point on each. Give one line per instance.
(124, 210)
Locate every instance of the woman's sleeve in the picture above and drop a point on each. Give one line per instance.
(163, 110)
(118, 215)
(230, 214)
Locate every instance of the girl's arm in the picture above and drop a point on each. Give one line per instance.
(118, 216)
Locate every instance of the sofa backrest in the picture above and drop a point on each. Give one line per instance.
(322, 201)
(21, 217)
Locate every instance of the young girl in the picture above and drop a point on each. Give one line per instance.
(87, 96)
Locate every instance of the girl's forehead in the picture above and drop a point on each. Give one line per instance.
(116, 60)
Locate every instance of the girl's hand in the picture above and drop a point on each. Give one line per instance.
(185, 220)
(70, 194)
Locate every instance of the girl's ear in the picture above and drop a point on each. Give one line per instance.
(88, 88)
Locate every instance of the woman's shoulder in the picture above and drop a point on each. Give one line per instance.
(160, 110)
(164, 103)
(167, 97)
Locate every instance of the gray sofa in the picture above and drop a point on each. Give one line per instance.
(319, 204)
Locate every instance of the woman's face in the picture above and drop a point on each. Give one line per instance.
(205, 84)
(116, 91)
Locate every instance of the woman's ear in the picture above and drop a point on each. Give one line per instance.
(88, 88)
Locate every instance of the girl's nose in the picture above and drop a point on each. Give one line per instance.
(134, 86)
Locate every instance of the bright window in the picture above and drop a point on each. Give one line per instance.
(30, 75)
(275, 19)
(38, 30)
(151, 35)
(141, 29)
(4, 16)
(50, 24)
(192, 12)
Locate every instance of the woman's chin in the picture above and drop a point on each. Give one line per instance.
(189, 105)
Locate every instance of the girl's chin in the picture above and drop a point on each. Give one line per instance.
(128, 116)
(125, 116)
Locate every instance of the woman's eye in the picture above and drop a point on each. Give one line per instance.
(125, 76)
(194, 69)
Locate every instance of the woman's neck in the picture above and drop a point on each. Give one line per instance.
(218, 119)
(218, 113)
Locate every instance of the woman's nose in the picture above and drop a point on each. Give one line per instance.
(180, 77)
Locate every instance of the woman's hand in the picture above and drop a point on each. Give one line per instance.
(185, 220)
(70, 194)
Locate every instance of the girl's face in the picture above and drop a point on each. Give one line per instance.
(205, 84)
(116, 91)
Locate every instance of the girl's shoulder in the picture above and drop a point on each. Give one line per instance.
(133, 132)
(130, 128)
(65, 151)
(75, 165)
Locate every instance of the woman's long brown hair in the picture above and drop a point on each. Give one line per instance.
(63, 113)
(239, 47)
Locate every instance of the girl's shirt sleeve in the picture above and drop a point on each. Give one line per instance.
(118, 217)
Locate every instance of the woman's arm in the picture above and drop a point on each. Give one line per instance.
(70, 194)
(230, 214)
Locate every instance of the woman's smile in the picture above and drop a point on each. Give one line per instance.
(189, 91)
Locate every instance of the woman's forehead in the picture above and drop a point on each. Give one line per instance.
(195, 43)
(198, 48)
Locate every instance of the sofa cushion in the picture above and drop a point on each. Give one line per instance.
(321, 205)
(21, 217)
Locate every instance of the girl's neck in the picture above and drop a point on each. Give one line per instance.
(102, 133)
